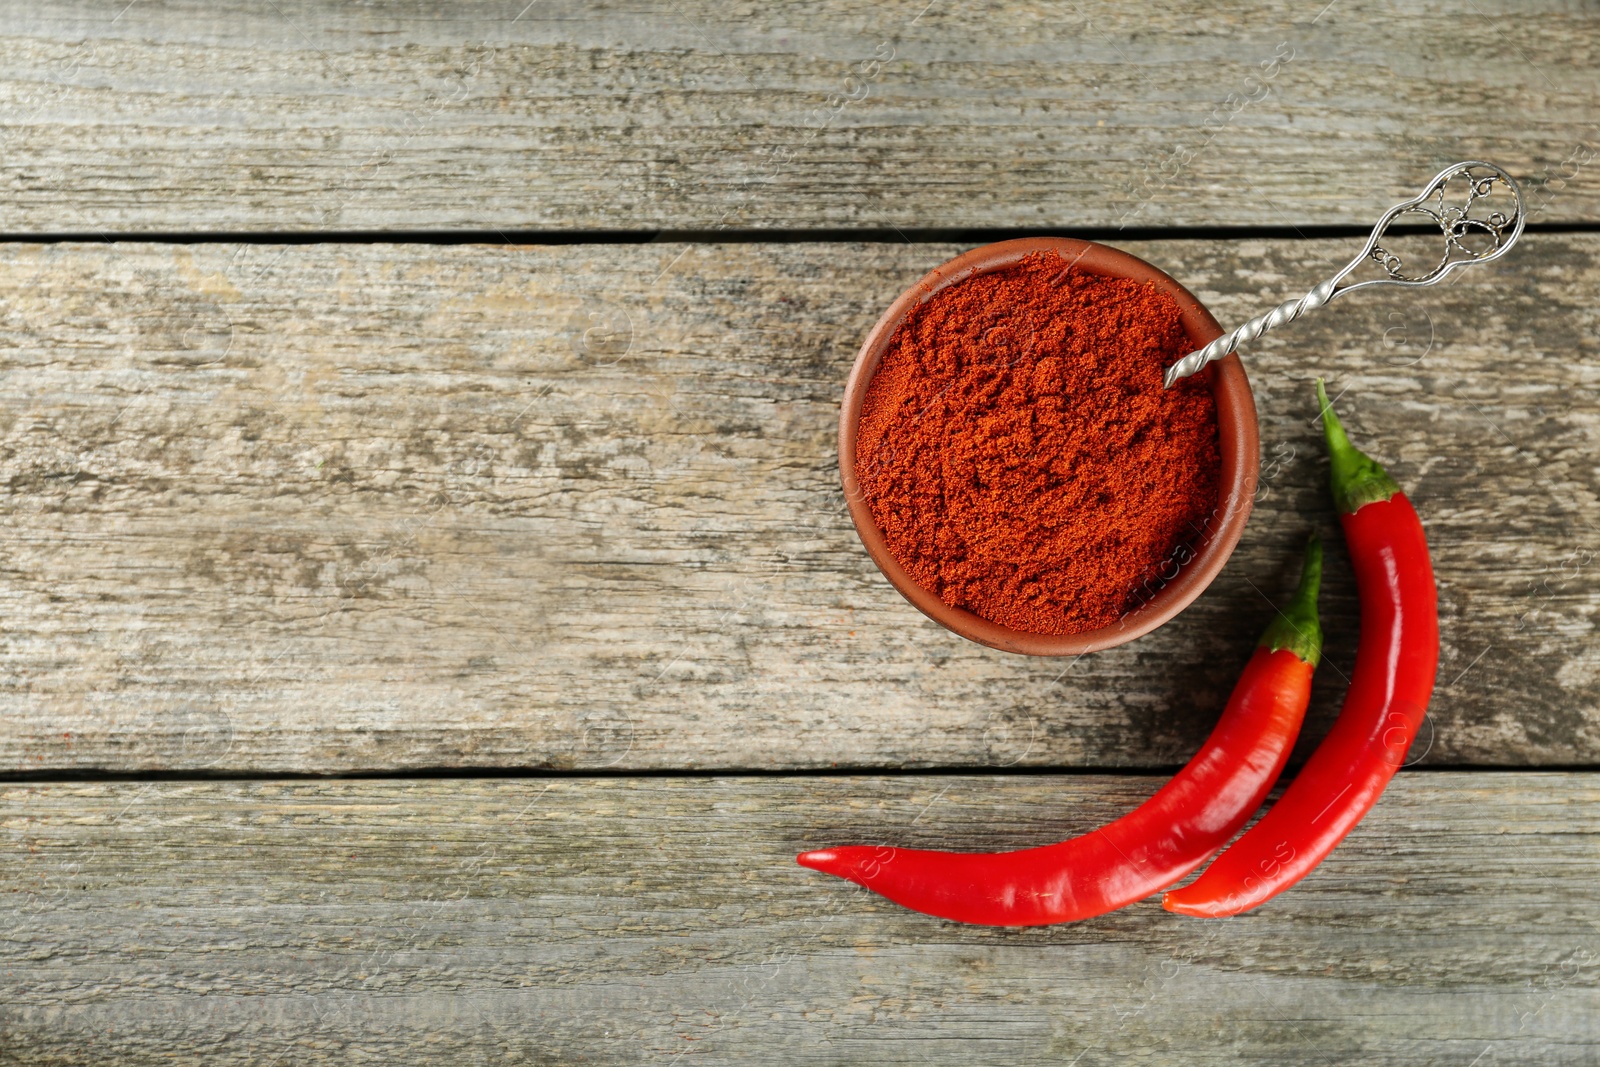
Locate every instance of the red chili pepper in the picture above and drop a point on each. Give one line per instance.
(1152, 846)
(1389, 690)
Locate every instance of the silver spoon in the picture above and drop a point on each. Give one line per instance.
(1456, 223)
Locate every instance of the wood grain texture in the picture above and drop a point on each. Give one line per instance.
(679, 114)
(361, 508)
(629, 920)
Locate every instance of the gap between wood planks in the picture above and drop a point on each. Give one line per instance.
(515, 773)
(870, 235)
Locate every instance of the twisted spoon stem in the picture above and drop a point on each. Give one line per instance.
(1285, 312)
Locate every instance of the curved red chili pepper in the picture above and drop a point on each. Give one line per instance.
(1389, 690)
(1152, 846)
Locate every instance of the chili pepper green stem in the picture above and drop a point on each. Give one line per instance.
(1297, 627)
(1355, 477)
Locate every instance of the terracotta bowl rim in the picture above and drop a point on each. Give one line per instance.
(1238, 439)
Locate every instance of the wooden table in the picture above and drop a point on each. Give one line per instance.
(432, 624)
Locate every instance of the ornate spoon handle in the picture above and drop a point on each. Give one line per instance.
(1456, 224)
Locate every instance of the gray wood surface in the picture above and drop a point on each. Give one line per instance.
(664, 920)
(339, 508)
(299, 115)
(380, 508)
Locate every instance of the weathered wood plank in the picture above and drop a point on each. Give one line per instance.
(629, 920)
(332, 508)
(683, 114)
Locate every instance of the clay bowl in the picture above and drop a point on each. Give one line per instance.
(1236, 423)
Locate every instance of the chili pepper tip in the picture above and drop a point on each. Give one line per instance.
(1355, 477)
(1174, 902)
(853, 863)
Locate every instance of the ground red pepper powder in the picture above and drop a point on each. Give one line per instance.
(1019, 454)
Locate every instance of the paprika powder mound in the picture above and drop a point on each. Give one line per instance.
(1020, 455)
